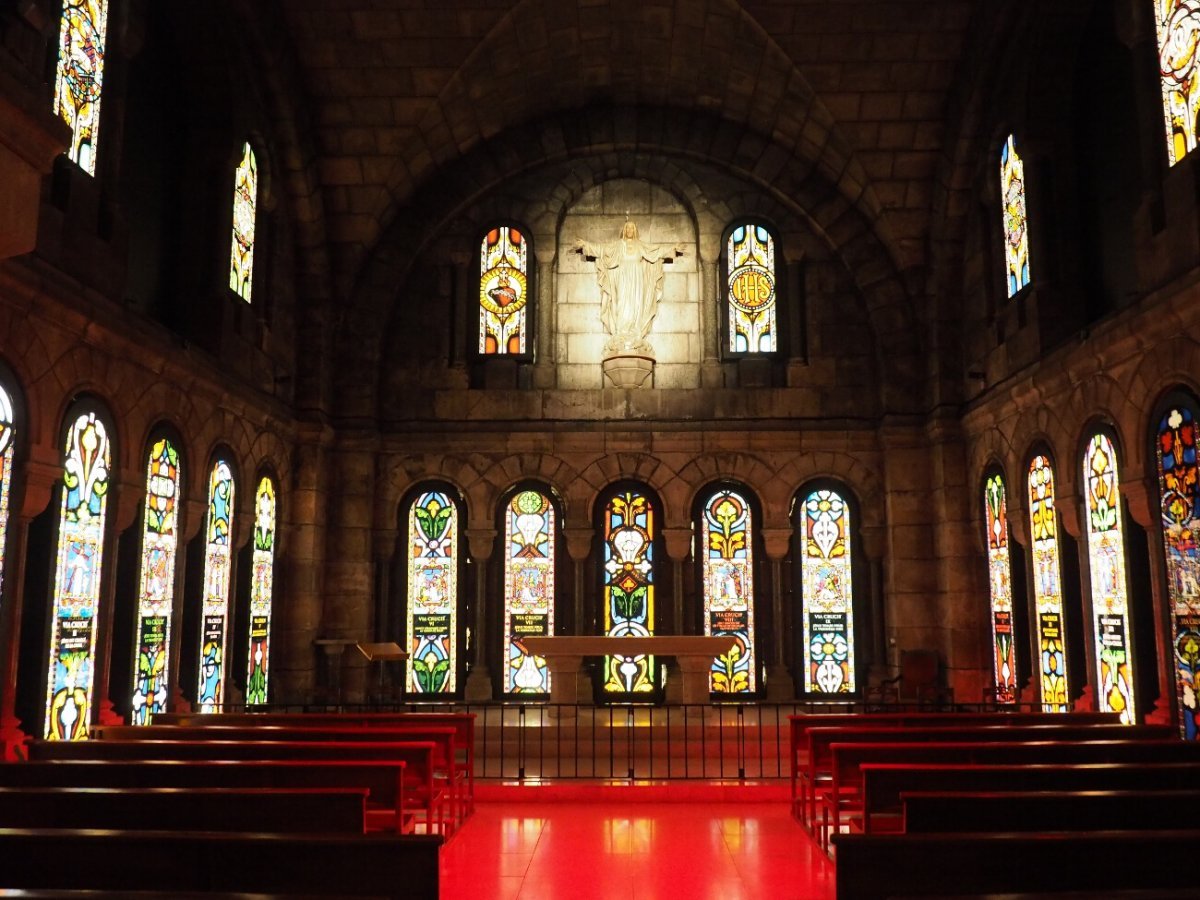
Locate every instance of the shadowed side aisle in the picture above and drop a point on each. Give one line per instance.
(611, 850)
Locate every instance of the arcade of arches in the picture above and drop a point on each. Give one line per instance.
(845, 329)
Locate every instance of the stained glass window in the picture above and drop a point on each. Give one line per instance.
(1016, 221)
(1179, 487)
(528, 589)
(245, 211)
(727, 559)
(629, 588)
(261, 590)
(80, 76)
(160, 537)
(1178, 25)
(433, 594)
(7, 444)
(1106, 558)
(77, 579)
(828, 594)
(1000, 584)
(503, 292)
(752, 307)
(215, 612)
(1047, 580)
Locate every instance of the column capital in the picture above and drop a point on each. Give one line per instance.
(678, 542)
(776, 542)
(1142, 501)
(579, 541)
(1068, 511)
(480, 542)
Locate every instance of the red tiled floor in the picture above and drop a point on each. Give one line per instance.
(634, 851)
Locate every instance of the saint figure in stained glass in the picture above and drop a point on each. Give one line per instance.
(86, 473)
(245, 212)
(1178, 26)
(80, 76)
(528, 589)
(1047, 581)
(629, 588)
(214, 629)
(432, 594)
(1179, 492)
(727, 562)
(503, 292)
(262, 582)
(1000, 586)
(159, 541)
(826, 587)
(1016, 219)
(751, 294)
(1106, 563)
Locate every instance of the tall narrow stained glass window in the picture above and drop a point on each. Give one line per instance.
(629, 588)
(1000, 584)
(503, 292)
(214, 631)
(432, 594)
(828, 594)
(528, 589)
(1178, 26)
(7, 450)
(1047, 585)
(262, 584)
(160, 537)
(727, 559)
(245, 214)
(80, 76)
(1016, 219)
(77, 582)
(1106, 558)
(752, 306)
(1179, 490)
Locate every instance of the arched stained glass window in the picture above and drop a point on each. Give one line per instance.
(214, 629)
(7, 449)
(262, 585)
(80, 76)
(1047, 581)
(503, 292)
(751, 295)
(245, 212)
(433, 594)
(1106, 558)
(86, 473)
(727, 559)
(1000, 585)
(1016, 219)
(1178, 26)
(1179, 489)
(528, 589)
(828, 594)
(160, 537)
(629, 588)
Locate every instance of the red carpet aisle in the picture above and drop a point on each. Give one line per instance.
(634, 851)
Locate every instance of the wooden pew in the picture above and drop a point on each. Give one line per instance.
(819, 740)
(421, 758)
(308, 810)
(462, 722)
(876, 867)
(935, 811)
(883, 784)
(446, 764)
(848, 759)
(395, 866)
(384, 780)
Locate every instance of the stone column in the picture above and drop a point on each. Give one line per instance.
(709, 262)
(579, 547)
(873, 540)
(180, 684)
(781, 686)
(679, 549)
(123, 517)
(462, 340)
(480, 542)
(1141, 497)
(545, 368)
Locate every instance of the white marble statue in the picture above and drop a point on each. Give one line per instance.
(630, 275)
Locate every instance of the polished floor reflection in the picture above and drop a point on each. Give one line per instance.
(634, 851)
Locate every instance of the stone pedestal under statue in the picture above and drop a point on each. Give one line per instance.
(628, 371)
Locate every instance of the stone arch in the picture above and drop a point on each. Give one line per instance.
(644, 467)
(501, 475)
(744, 468)
(410, 471)
(856, 475)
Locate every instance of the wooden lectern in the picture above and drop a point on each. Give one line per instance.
(564, 655)
(384, 652)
